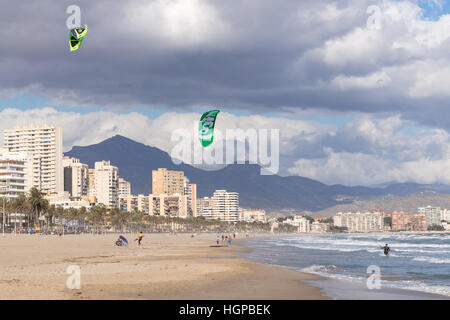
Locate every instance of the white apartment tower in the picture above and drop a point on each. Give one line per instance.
(16, 173)
(107, 184)
(45, 145)
(225, 205)
(76, 179)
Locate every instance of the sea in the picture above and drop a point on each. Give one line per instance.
(355, 267)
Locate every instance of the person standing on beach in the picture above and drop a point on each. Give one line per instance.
(217, 240)
(229, 241)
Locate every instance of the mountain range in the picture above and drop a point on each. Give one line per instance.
(271, 192)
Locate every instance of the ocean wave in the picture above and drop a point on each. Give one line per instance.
(413, 285)
(431, 260)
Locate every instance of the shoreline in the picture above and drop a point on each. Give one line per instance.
(164, 267)
(344, 289)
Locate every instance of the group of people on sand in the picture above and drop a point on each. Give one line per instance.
(226, 238)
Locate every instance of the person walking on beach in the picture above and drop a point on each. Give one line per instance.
(217, 240)
(229, 241)
(140, 236)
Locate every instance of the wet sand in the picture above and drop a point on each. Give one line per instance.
(163, 267)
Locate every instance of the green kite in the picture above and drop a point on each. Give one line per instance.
(76, 36)
(206, 127)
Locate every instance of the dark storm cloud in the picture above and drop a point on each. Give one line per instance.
(263, 56)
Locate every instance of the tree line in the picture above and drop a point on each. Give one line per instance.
(32, 211)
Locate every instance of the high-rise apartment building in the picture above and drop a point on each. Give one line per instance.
(106, 184)
(76, 177)
(433, 214)
(45, 145)
(167, 182)
(190, 190)
(16, 173)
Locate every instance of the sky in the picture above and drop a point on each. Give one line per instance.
(358, 88)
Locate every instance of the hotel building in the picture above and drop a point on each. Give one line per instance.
(45, 145)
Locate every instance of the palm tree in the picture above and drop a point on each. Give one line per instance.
(38, 204)
(19, 206)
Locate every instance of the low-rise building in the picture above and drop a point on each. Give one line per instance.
(300, 222)
(252, 215)
(359, 222)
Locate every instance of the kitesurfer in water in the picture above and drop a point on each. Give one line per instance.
(386, 249)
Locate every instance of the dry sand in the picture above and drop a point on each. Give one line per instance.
(163, 267)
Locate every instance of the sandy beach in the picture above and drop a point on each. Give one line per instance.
(163, 267)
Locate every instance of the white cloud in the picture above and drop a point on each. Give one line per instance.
(371, 81)
(367, 150)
